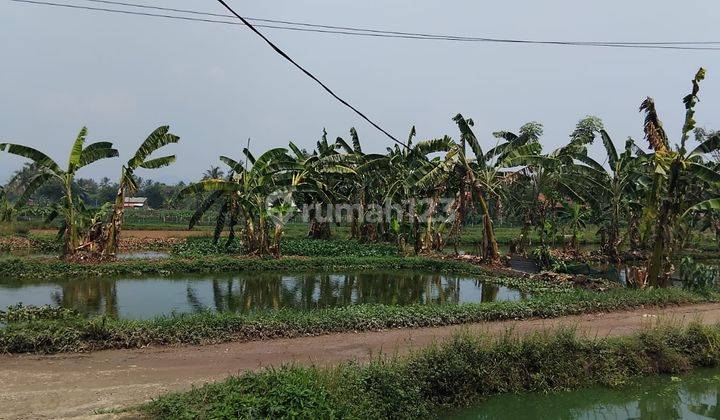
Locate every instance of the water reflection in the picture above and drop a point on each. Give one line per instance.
(144, 298)
(690, 397)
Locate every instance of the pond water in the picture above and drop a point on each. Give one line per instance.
(629, 272)
(148, 297)
(696, 396)
(143, 255)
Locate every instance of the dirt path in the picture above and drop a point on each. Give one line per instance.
(70, 385)
(146, 234)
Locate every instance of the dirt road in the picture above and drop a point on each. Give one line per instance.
(145, 234)
(75, 385)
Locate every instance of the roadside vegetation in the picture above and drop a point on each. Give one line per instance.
(444, 378)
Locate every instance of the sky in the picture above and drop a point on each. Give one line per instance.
(218, 85)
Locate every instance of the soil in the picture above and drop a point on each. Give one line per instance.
(148, 234)
(77, 385)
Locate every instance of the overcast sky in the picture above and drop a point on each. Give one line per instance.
(218, 85)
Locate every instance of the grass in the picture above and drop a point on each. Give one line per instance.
(70, 332)
(438, 380)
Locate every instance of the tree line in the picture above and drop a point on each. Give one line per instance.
(646, 198)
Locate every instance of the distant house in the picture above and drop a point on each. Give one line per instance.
(135, 203)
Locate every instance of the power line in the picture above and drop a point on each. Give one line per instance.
(674, 45)
(310, 75)
(379, 31)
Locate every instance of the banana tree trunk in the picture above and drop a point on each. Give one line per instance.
(276, 240)
(490, 250)
(71, 239)
(114, 226)
(417, 237)
(318, 230)
(659, 264)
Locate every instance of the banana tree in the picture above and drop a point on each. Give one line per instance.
(321, 177)
(393, 177)
(611, 193)
(478, 178)
(674, 173)
(575, 216)
(243, 197)
(69, 205)
(108, 242)
(547, 180)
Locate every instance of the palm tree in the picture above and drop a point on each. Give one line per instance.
(213, 172)
(70, 206)
(108, 243)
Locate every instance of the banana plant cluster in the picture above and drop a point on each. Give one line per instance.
(104, 238)
(75, 215)
(676, 175)
(84, 228)
(652, 199)
(623, 195)
(242, 199)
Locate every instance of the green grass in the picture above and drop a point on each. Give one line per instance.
(76, 333)
(446, 377)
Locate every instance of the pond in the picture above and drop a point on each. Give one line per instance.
(148, 297)
(696, 396)
(631, 272)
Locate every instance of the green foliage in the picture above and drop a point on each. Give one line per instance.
(545, 260)
(290, 247)
(448, 376)
(75, 216)
(195, 247)
(327, 248)
(21, 313)
(698, 277)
